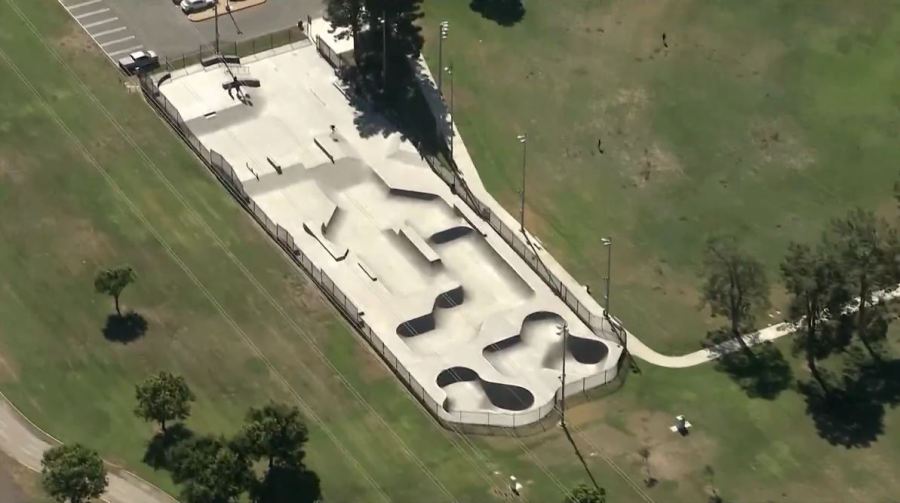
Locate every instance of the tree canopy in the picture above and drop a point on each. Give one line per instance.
(73, 473)
(210, 470)
(113, 281)
(735, 287)
(162, 398)
(809, 276)
(586, 494)
(864, 247)
(275, 432)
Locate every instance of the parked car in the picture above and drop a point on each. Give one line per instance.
(189, 6)
(139, 61)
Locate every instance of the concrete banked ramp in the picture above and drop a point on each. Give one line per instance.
(453, 306)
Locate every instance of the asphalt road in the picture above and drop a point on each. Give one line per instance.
(121, 26)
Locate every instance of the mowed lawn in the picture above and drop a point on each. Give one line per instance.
(243, 325)
(764, 119)
(223, 306)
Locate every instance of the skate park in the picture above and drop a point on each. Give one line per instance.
(460, 313)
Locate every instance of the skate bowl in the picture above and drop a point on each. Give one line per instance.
(467, 391)
(450, 306)
(539, 345)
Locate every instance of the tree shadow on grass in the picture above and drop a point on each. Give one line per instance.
(762, 373)
(160, 447)
(287, 485)
(124, 328)
(502, 12)
(852, 413)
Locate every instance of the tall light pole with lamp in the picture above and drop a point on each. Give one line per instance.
(444, 31)
(523, 139)
(607, 243)
(449, 71)
(564, 332)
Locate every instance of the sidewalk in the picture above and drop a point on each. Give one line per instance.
(26, 443)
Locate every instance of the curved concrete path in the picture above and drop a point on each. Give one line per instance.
(770, 333)
(21, 440)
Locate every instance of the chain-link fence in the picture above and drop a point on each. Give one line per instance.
(445, 167)
(172, 62)
(532, 420)
(340, 62)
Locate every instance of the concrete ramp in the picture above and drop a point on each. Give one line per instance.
(467, 391)
(539, 345)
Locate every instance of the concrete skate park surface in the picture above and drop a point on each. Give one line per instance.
(466, 317)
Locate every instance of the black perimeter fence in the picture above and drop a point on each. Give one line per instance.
(540, 419)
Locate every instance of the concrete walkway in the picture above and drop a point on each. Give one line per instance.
(770, 333)
(24, 442)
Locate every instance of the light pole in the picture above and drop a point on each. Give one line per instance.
(444, 30)
(216, 16)
(607, 243)
(564, 331)
(523, 139)
(384, 52)
(449, 71)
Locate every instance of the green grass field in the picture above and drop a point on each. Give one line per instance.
(763, 119)
(230, 313)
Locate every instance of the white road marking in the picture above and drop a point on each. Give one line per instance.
(117, 41)
(92, 13)
(82, 4)
(98, 23)
(123, 51)
(107, 32)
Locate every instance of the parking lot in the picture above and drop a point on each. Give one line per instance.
(121, 26)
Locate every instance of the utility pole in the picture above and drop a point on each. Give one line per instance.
(216, 17)
(384, 52)
(564, 330)
(523, 139)
(607, 243)
(442, 35)
(449, 71)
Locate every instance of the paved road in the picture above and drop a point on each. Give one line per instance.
(23, 442)
(122, 26)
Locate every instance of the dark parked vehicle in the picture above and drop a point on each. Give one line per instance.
(139, 61)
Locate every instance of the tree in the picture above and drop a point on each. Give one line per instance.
(276, 432)
(347, 14)
(736, 286)
(113, 281)
(210, 470)
(809, 276)
(864, 248)
(586, 494)
(163, 397)
(73, 473)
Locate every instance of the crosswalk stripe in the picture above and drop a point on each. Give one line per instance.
(123, 51)
(92, 13)
(117, 41)
(107, 32)
(82, 4)
(98, 23)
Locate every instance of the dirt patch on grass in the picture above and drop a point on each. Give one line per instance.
(669, 452)
(74, 39)
(779, 144)
(8, 370)
(11, 172)
(80, 245)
